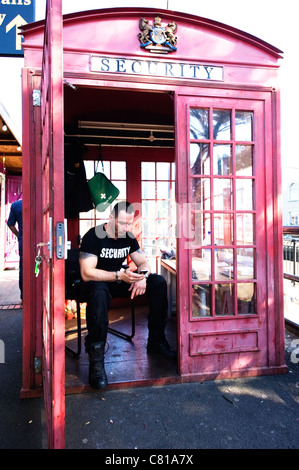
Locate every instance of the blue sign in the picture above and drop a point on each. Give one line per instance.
(13, 15)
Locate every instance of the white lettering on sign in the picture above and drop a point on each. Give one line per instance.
(15, 2)
(2, 16)
(2, 352)
(156, 68)
(17, 22)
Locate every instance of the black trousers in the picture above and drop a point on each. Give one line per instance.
(98, 296)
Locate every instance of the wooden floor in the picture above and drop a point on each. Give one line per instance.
(126, 363)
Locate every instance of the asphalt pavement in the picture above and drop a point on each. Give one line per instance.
(247, 413)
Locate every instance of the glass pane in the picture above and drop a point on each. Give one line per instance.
(294, 192)
(245, 263)
(164, 242)
(246, 298)
(153, 264)
(162, 227)
(200, 228)
(222, 160)
(149, 209)
(224, 299)
(222, 194)
(118, 170)
(89, 169)
(85, 225)
(199, 123)
(149, 227)
(245, 229)
(88, 215)
(122, 186)
(148, 190)
(244, 195)
(200, 159)
(201, 193)
(243, 121)
(244, 163)
(163, 171)
(222, 124)
(172, 191)
(105, 214)
(99, 168)
(149, 246)
(163, 209)
(223, 229)
(224, 263)
(201, 264)
(173, 171)
(163, 190)
(147, 170)
(207, 241)
(201, 301)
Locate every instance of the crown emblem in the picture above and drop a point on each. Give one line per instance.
(157, 38)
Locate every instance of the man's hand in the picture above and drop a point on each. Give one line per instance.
(137, 281)
(129, 276)
(138, 288)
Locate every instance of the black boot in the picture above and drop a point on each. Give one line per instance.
(97, 374)
(161, 347)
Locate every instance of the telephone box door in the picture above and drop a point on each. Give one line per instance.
(222, 262)
(51, 246)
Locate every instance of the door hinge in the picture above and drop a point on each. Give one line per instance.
(36, 97)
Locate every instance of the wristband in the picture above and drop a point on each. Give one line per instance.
(116, 277)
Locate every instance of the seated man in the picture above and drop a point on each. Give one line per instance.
(103, 250)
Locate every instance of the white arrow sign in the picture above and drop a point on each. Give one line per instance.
(2, 17)
(16, 22)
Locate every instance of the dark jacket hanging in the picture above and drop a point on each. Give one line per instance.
(77, 194)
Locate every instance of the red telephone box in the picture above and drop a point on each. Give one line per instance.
(203, 97)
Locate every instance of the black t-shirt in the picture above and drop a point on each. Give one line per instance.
(111, 253)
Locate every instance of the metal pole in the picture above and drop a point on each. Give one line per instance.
(294, 256)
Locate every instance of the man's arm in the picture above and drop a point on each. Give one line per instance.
(139, 259)
(12, 220)
(89, 271)
(14, 230)
(88, 268)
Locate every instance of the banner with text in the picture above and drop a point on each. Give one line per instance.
(13, 15)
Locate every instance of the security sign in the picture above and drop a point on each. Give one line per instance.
(13, 15)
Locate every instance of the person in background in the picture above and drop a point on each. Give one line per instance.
(15, 217)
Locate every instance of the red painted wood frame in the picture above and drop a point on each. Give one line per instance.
(220, 345)
(52, 161)
(32, 210)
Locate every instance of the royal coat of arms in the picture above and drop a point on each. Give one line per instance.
(157, 38)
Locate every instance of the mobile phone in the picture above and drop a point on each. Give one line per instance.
(125, 266)
(143, 271)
